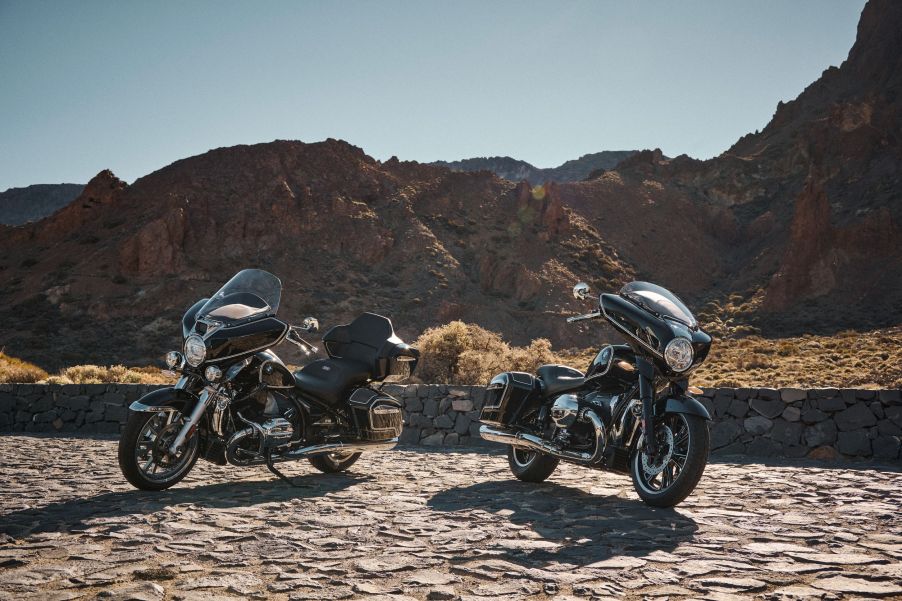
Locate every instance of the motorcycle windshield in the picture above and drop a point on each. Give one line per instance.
(250, 293)
(659, 301)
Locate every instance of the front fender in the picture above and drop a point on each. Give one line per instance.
(686, 404)
(164, 399)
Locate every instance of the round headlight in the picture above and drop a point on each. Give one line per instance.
(173, 359)
(213, 373)
(679, 354)
(195, 350)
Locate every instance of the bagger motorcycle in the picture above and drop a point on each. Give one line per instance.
(631, 412)
(237, 403)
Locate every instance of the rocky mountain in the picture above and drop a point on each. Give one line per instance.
(32, 203)
(515, 170)
(794, 229)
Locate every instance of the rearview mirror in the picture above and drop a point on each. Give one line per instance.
(581, 291)
(311, 324)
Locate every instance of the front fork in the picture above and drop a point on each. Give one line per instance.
(206, 398)
(647, 396)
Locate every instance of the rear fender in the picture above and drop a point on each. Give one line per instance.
(164, 399)
(685, 404)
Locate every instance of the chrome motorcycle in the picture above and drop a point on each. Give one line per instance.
(237, 403)
(631, 412)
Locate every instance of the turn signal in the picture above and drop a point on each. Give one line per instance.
(695, 390)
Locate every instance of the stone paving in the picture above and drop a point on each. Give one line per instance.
(442, 525)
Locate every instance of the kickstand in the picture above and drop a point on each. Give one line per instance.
(275, 471)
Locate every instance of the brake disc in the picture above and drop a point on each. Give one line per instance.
(658, 467)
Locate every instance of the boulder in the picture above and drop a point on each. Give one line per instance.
(444, 422)
(886, 447)
(738, 408)
(768, 408)
(758, 424)
(813, 416)
(725, 432)
(790, 395)
(820, 434)
(786, 433)
(462, 405)
(791, 414)
(824, 454)
(462, 424)
(854, 443)
(764, 447)
(834, 403)
(855, 417)
(434, 440)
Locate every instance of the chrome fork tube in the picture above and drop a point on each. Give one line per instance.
(203, 401)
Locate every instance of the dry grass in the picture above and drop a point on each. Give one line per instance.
(16, 370)
(461, 353)
(98, 374)
(844, 360)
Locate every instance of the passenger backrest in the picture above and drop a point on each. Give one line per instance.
(361, 340)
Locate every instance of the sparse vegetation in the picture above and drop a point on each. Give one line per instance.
(16, 370)
(462, 353)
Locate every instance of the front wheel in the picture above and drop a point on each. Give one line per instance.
(143, 456)
(332, 463)
(683, 442)
(530, 466)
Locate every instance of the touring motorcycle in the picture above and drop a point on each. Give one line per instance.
(237, 403)
(631, 412)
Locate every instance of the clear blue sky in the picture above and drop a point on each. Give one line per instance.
(133, 86)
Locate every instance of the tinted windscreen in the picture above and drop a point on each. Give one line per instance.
(249, 293)
(658, 300)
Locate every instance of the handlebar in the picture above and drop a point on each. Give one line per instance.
(591, 315)
(294, 338)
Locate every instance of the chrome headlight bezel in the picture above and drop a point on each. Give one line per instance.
(679, 354)
(174, 360)
(213, 373)
(195, 350)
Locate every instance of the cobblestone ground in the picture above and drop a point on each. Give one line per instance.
(438, 525)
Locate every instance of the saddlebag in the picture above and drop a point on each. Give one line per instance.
(377, 415)
(509, 396)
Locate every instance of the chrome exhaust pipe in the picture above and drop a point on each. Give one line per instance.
(532, 442)
(360, 446)
(303, 452)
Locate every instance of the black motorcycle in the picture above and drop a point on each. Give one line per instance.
(604, 418)
(237, 403)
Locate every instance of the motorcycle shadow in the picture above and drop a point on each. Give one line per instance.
(584, 528)
(78, 513)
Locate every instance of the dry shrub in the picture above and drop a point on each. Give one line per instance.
(19, 371)
(463, 353)
(98, 374)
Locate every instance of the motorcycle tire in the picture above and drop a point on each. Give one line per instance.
(699, 443)
(330, 464)
(530, 466)
(128, 460)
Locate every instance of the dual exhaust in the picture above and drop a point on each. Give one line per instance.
(532, 442)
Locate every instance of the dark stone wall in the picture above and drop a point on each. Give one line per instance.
(821, 423)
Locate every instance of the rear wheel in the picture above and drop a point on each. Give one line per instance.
(332, 463)
(143, 450)
(683, 442)
(530, 466)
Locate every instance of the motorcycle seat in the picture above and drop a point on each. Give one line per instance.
(329, 379)
(556, 379)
